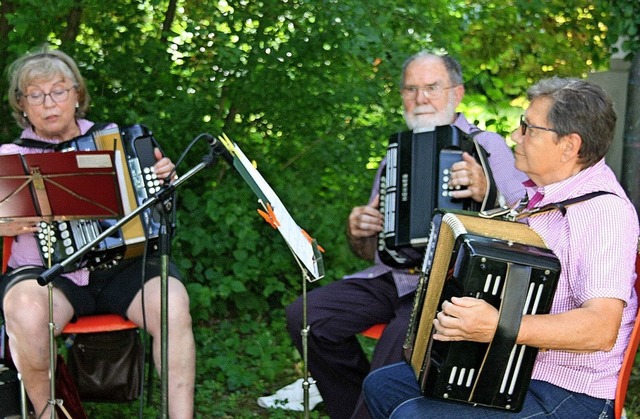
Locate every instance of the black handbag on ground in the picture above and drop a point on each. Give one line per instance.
(107, 366)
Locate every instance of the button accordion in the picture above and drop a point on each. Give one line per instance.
(502, 262)
(415, 183)
(137, 182)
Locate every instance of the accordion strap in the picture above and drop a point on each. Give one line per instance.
(562, 205)
(31, 143)
(497, 356)
(491, 195)
(519, 212)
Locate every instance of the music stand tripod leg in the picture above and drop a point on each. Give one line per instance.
(24, 414)
(166, 224)
(305, 338)
(53, 402)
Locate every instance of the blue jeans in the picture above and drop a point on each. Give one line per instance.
(393, 392)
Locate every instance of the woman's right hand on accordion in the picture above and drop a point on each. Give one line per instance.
(466, 318)
(164, 167)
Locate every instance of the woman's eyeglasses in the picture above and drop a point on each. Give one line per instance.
(524, 127)
(56, 95)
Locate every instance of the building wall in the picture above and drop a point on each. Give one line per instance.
(615, 83)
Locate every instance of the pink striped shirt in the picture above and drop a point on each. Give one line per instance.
(596, 243)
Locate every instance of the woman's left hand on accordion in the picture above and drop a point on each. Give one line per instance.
(466, 318)
(163, 167)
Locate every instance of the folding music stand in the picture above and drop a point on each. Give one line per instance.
(162, 200)
(53, 187)
(305, 250)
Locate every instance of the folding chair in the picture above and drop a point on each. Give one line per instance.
(84, 324)
(629, 357)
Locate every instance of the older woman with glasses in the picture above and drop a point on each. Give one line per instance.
(560, 145)
(49, 100)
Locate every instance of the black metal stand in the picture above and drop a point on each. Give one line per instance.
(305, 350)
(164, 201)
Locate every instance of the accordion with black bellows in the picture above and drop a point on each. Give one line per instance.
(502, 262)
(415, 183)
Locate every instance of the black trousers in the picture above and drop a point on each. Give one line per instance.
(336, 314)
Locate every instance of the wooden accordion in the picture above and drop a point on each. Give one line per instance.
(504, 263)
(59, 239)
(414, 184)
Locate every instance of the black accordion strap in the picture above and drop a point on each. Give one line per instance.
(562, 205)
(517, 212)
(31, 143)
(491, 196)
(497, 356)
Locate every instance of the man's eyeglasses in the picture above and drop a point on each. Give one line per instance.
(430, 91)
(524, 127)
(56, 95)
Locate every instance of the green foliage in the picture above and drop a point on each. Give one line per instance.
(624, 25)
(308, 89)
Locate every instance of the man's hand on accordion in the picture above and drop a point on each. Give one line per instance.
(363, 226)
(466, 318)
(163, 167)
(366, 221)
(468, 179)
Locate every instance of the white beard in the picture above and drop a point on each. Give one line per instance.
(419, 122)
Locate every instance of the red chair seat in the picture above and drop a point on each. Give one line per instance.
(85, 324)
(99, 323)
(375, 331)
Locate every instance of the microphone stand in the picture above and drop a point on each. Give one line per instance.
(163, 200)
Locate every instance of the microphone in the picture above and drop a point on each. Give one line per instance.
(216, 148)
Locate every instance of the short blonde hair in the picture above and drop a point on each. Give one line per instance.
(43, 64)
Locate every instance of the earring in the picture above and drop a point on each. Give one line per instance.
(24, 114)
(77, 105)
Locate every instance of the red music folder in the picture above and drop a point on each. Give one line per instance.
(59, 186)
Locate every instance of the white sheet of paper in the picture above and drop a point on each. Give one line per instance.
(291, 232)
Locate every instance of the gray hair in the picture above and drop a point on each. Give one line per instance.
(454, 70)
(43, 64)
(579, 107)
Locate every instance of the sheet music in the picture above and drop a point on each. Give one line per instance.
(58, 186)
(304, 250)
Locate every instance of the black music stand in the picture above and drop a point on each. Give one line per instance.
(163, 202)
(41, 187)
(304, 249)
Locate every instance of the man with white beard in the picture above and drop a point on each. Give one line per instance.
(431, 89)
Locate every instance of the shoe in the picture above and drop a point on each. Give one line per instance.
(291, 397)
